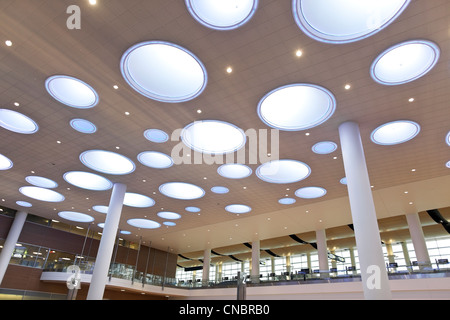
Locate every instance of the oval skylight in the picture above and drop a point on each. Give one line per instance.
(107, 162)
(169, 215)
(192, 209)
(137, 200)
(283, 171)
(296, 107)
(324, 147)
(310, 192)
(42, 194)
(234, 171)
(220, 190)
(238, 208)
(72, 92)
(24, 204)
(405, 62)
(101, 209)
(344, 21)
(144, 223)
(447, 164)
(169, 223)
(395, 132)
(5, 163)
(213, 137)
(17, 122)
(75, 216)
(156, 135)
(125, 232)
(287, 201)
(447, 139)
(154, 159)
(41, 182)
(222, 14)
(83, 126)
(163, 71)
(87, 180)
(181, 190)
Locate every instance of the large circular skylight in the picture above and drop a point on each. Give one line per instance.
(41, 182)
(405, 62)
(220, 190)
(72, 92)
(42, 194)
(181, 190)
(83, 126)
(234, 171)
(395, 132)
(137, 200)
(324, 147)
(310, 192)
(144, 223)
(5, 163)
(343, 21)
(107, 162)
(296, 107)
(17, 122)
(154, 159)
(222, 14)
(163, 71)
(169, 215)
(238, 208)
(283, 171)
(87, 180)
(156, 135)
(213, 137)
(75, 216)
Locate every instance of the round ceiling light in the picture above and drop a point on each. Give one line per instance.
(72, 92)
(101, 209)
(169, 215)
(169, 223)
(283, 171)
(287, 201)
(163, 71)
(395, 132)
(41, 182)
(213, 137)
(234, 171)
(144, 223)
(220, 190)
(42, 194)
(447, 139)
(154, 159)
(310, 192)
(343, 181)
(447, 164)
(238, 208)
(324, 147)
(296, 107)
(138, 200)
(83, 126)
(17, 122)
(181, 190)
(88, 181)
(405, 62)
(75, 216)
(5, 163)
(156, 135)
(222, 14)
(107, 162)
(344, 21)
(192, 209)
(24, 204)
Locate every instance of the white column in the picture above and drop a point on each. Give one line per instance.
(418, 239)
(105, 250)
(322, 252)
(10, 243)
(206, 266)
(255, 260)
(373, 271)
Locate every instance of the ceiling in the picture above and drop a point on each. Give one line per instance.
(263, 56)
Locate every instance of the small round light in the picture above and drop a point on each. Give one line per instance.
(395, 132)
(83, 126)
(169, 215)
(42, 194)
(238, 208)
(8, 43)
(287, 201)
(234, 171)
(72, 92)
(17, 122)
(220, 190)
(156, 135)
(75, 216)
(107, 162)
(324, 147)
(154, 159)
(5, 163)
(88, 181)
(143, 223)
(283, 171)
(41, 182)
(181, 190)
(138, 200)
(310, 192)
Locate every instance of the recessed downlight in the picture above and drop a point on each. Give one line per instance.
(181, 190)
(324, 147)
(107, 162)
(83, 126)
(17, 122)
(234, 171)
(5, 163)
(41, 182)
(138, 200)
(144, 223)
(154, 159)
(156, 135)
(296, 107)
(310, 192)
(163, 71)
(72, 92)
(283, 171)
(88, 181)
(42, 194)
(238, 208)
(75, 216)
(395, 132)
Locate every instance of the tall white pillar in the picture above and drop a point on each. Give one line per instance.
(10, 243)
(255, 260)
(206, 266)
(418, 239)
(105, 250)
(373, 271)
(321, 240)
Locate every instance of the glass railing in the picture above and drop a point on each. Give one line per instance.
(10, 294)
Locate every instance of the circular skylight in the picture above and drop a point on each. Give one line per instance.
(169, 215)
(447, 164)
(283, 171)
(222, 14)
(395, 132)
(324, 147)
(192, 209)
(72, 92)
(343, 180)
(107, 162)
(287, 201)
(296, 107)
(87, 180)
(101, 209)
(310, 192)
(405, 62)
(163, 71)
(447, 139)
(83, 126)
(234, 171)
(41, 182)
(181, 190)
(343, 21)
(154, 159)
(42, 194)
(125, 232)
(75, 216)
(238, 208)
(144, 223)
(156, 135)
(5, 163)
(17, 122)
(220, 190)
(169, 223)
(213, 137)
(137, 200)
(24, 204)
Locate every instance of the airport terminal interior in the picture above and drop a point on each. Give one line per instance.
(224, 149)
